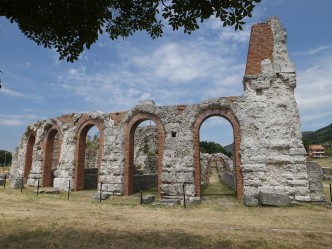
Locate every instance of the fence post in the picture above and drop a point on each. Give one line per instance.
(100, 190)
(331, 193)
(68, 189)
(22, 184)
(184, 196)
(38, 187)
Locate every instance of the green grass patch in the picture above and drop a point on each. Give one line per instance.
(216, 188)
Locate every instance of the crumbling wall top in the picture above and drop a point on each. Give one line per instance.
(267, 53)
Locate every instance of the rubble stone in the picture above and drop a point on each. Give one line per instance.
(273, 198)
(147, 199)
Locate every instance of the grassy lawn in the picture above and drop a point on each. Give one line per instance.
(52, 221)
(327, 194)
(324, 162)
(216, 189)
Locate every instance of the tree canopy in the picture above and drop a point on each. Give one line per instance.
(92, 143)
(5, 158)
(70, 26)
(212, 147)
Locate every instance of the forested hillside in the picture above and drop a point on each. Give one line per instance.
(212, 147)
(322, 136)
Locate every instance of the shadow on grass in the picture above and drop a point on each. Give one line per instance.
(76, 238)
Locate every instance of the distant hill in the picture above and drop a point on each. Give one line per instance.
(322, 136)
(306, 133)
(230, 148)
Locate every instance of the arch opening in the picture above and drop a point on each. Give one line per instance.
(91, 159)
(145, 164)
(51, 158)
(29, 156)
(144, 143)
(216, 165)
(216, 157)
(88, 157)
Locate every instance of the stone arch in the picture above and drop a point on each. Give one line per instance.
(227, 114)
(129, 133)
(214, 159)
(81, 134)
(47, 177)
(29, 154)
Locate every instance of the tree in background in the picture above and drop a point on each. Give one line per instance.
(70, 26)
(212, 147)
(92, 143)
(5, 158)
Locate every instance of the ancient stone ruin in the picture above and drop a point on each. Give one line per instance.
(224, 166)
(269, 156)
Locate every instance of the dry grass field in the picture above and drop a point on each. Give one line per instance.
(52, 221)
(324, 162)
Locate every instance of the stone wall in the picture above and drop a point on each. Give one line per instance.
(230, 180)
(224, 165)
(327, 171)
(91, 158)
(315, 175)
(146, 150)
(268, 150)
(91, 152)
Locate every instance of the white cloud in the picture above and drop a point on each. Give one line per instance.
(313, 92)
(98, 87)
(314, 50)
(12, 93)
(169, 73)
(19, 119)
(215, 122)
(179, 63)
(11, 122)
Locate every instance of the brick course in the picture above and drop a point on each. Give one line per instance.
(260, 48)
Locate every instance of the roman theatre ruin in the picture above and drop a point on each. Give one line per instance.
(269, 156)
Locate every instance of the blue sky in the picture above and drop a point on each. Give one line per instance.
(175, 69)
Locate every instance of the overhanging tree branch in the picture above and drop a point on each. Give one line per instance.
(70, 26)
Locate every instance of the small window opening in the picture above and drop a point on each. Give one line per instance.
(173, 134)
(259, 92)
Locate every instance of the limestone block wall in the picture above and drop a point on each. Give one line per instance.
(225, 168)
(268, 150)
(315, 175)
(146, 150)
(272, 153)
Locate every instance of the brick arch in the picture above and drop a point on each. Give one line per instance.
(49, 153)
(29, 154)
(227, 114)
(129, 133)
(81, 134)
